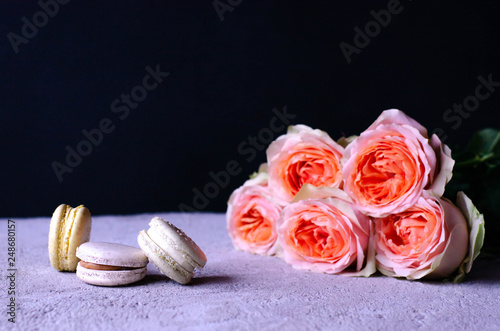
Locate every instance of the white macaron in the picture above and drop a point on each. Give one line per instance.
(110, 264)
(171, 250)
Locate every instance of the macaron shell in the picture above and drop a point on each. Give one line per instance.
(179, 241)
(55, 225)
(112, 254)
(110, 278)
(162, 260)
(79, 234)
(69, 228)
(168, 245)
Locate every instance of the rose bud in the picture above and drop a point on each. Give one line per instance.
(301, 156)
(389, 165)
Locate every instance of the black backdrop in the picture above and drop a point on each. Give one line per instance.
(228, 68)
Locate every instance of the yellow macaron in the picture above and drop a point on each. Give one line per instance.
(69, 228)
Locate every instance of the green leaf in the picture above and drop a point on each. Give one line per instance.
(483, 150)
(477, 173)
(484, 142)
(488, 197)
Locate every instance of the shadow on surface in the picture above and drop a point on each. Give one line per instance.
(196, 281)
(152, 278)
(210, 280)
(483, 271)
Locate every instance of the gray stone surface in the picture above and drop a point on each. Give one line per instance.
(235, 290)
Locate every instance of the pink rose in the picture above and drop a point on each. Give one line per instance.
(301, 156)
(429, 239)
(251, 215)
(326, 235)
(389, 165)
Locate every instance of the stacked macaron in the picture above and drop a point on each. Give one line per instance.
(111, 264)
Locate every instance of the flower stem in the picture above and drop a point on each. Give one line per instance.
(477, 160)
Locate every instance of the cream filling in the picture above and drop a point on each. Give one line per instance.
(65, 231)
(97, 266)
(60, 236)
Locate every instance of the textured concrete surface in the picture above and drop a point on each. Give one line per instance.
(235, 290)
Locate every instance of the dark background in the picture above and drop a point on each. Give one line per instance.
(225, 79)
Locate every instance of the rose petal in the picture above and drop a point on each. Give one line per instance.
(396, 116)
(475, 222)
(445, 166)
(309, 191)
(371, 263)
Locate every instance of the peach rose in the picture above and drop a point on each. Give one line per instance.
(428, 239)
(326, 235)
(251, 215)
(389, 165)
(301, 156)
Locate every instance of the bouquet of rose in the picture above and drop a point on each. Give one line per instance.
(374, 201)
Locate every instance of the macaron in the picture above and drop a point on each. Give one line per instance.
(171, 250)
(110, 264)
(69, 228)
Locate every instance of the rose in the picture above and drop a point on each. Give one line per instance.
(429, 239)
(389, 165)
(301, 156)
(325, 235)
(251, 215)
